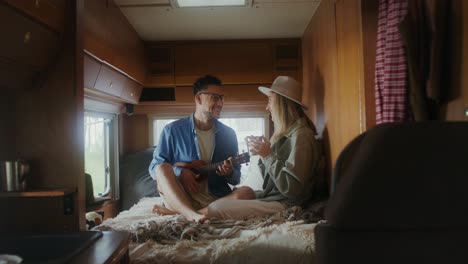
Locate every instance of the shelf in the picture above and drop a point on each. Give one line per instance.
(38, 193)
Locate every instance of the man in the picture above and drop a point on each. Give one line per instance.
(199, 136)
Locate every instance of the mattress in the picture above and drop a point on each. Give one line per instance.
(286, 237)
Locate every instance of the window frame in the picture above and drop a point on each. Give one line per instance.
(264, 115)
(112, 185)
(153, 117)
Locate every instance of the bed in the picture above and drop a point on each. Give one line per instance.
(286, 237)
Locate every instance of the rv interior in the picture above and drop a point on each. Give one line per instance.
(88, 85)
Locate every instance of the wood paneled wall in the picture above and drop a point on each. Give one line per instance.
(339, 48)
(334, 83)
(134, 133)
(369, 17)
(7, 123)
(49, 122)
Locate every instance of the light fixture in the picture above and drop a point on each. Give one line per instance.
(211, 3)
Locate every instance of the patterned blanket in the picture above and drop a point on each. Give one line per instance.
(286, 236)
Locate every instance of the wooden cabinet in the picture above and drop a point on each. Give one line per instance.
(90, 247)
(110, 37)
(235, 62)
(101, 78)
(24, 41)
(131, 91)
(53, 211)
(48, 12)
(112, 248)
(91, 71)
(110, 81)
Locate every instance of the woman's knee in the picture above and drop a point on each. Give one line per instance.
(244, 193)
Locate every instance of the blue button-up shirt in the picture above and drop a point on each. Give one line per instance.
(179, 143)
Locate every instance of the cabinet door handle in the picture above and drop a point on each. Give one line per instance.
(110, 84)
(131, 94)
(27, 37)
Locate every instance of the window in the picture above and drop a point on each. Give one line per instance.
(244, 125)
(100, 151)
(158, 125)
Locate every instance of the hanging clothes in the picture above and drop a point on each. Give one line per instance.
(391, 65)
(415, 34)
(426, 46)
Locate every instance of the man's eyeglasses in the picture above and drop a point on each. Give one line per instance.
(214, 97)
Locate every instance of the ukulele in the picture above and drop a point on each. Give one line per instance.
(200, 167)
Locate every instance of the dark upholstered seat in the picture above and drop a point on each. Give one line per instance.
(135, 181)
(399, 195)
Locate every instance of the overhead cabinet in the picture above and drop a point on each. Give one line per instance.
(131, 91)
(235, 62)
(102, 78)
(109, 81)
(91, 71)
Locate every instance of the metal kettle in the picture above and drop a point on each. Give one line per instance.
(13, 174)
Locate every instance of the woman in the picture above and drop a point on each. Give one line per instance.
(289, 161)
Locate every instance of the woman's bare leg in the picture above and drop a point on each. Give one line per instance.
(241, 193)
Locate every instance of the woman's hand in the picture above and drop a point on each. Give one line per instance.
(259, 146)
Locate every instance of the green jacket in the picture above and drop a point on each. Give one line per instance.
(291, 170)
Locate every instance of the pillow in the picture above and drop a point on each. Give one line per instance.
(135, 181)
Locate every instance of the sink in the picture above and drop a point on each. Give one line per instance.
(47, 248)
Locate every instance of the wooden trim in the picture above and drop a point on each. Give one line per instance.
(95, 101)
(186, 108)
(221, 41)
(111, 66)
(38, 193)
(112, 247)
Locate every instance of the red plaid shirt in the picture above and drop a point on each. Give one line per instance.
(391, 68)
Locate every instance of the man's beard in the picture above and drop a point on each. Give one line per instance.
(210, 115)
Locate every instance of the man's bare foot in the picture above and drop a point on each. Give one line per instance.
(161, 210)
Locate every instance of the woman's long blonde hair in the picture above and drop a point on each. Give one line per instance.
(287, 112)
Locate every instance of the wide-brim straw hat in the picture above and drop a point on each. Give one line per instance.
(287, 87)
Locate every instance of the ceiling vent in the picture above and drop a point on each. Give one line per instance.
(210, 3)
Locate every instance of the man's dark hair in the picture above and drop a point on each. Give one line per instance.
(201, 83)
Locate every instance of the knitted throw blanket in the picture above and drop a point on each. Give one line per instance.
(172, 228)
(173, 239)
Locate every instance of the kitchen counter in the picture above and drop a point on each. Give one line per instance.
(77, 247)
